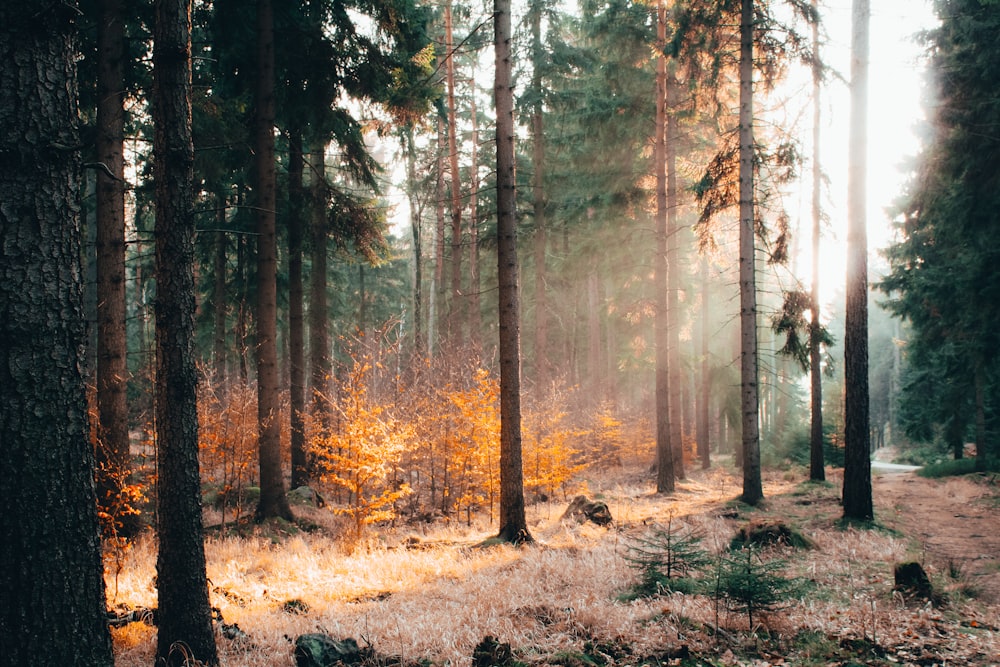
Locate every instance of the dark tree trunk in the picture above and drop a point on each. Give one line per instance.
(513, 524)
(273, 502)
(753, 491)
(113, 464)
(857, 436)
(319, 341)
(219, 301)
(296, 319)
(51, 575)
(664, 451)
(184, 613)
(817, 470)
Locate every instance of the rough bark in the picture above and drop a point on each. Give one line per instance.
(273, 502)
(817, 471)
(664, 450)
(296, 318)
(513, 524)
(182, 588)
(753, 491)
(857, 437)
(51, 578)
(112, 368)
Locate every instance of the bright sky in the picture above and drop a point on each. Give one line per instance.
(895, 108)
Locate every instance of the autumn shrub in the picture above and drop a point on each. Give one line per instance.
(551, 448)
(227, 436)
(360, 452)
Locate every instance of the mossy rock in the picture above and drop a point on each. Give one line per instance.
(764, 534)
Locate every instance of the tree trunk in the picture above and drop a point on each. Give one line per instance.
(184, 613)
(664, 451)
(219, 299)
(416, 215)
(319, 340)
(475, 313)
(543, 365)
(437, 288)
(857, 437)
(513, 524)
(705, 391)
(753, 491)
(51, 582)
(296, 317)
(455, 314)
(673, 278)
(273, 502)
(113, 462)
(817, 470)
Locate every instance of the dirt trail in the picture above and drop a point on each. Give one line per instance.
(956, 520)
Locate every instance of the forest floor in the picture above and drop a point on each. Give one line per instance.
(429, 593)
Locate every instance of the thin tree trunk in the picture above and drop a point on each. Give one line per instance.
(542, 362)
(416, 215)
(52, 612)
(219, 300)
(753, 491)
(319, 342)
(673, 278)
(184, 613)
(513, 524)
(704, 394)
(857, 437)
(817, 471)
(113, 460)
(475, 313)
(273, 502)
(455, 314)
(665, 453)
(437, 291)
(296, 317)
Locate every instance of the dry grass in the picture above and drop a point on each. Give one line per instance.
(437, 601)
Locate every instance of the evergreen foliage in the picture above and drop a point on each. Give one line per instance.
(747, 583)
(667, 559)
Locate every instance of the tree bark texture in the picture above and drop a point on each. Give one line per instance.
(273, 502)
(456, 322)
(296, 317)
(753, 491)
(112, 367)
(817, 470)
(857, 437)
(513, 524)
(664, 450)
(184, 613)
(51, 574)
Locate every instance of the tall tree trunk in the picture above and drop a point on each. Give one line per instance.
(184, 613)
(51, 582)
(319, 339)
(273, 502)
(416, 223)
(817, 470)
(455, 314)
(543, 365)
(437, 289)
(753, 491)
(673, 277)
(705, 392)
(112, 366)
(296, 317)
(475, 312)
(513, 524)
(665, 452)
(219, 301)
(857, 437)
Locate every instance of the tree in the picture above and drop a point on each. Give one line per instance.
(296, 317)
(273, 502)
(184, 614)
(513, 524)
(753, 491)
(857, 437)
(52, 584)
(112, 364)
(664, 449)
(455, 304)
(943, 276)
(817, 470)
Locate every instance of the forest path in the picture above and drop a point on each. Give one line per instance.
(956, 521)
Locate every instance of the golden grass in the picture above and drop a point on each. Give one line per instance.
(436, 602)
